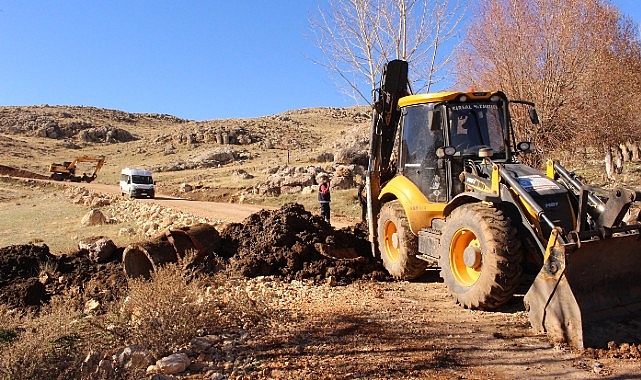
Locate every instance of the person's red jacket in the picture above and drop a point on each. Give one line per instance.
(323, 192)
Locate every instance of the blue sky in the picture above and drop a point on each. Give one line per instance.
(193, 59)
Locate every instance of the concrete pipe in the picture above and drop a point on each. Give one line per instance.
(201, 238)
(140, 259)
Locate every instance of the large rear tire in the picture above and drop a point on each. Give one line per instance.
(397, 244)
(480, 256)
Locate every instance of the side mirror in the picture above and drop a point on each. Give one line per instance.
(534, 116)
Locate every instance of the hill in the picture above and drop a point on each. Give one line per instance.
(207, 154)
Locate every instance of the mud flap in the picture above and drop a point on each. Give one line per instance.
(588, 294)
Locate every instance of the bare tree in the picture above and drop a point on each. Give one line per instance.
(578, 60)
(357, 37)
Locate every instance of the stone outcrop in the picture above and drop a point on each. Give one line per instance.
(291, 179)
(99, 248)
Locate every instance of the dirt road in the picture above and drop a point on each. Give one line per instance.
(216, 210)
(233, 212)
(414, 330)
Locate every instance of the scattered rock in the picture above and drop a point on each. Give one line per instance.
(134, 356)
(174, 363)
(91, 306)
(99, 248)
(93, 218)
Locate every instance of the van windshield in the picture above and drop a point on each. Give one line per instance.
(142, 179)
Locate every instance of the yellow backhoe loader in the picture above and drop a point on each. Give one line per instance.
(67, 170)
(445, 187)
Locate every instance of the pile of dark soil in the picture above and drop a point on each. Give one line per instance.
(285, 243)
(20, 267)
(30, 275)
(13, 172)
(289, 243)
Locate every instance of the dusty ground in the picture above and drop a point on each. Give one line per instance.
(342, 318)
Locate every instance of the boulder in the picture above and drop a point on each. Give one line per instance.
(99, 248)
(174, 363)
(351, 155)
(342, 183)
(297, 180)
(93, 218)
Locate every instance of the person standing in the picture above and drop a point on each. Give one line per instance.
(361, 193)
(324, 196)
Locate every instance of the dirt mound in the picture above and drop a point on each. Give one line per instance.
(30, 275)
(13, 172)
(289, 243)
(285, 243)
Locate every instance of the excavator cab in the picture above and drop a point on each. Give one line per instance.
(477, 125)
(441, 133)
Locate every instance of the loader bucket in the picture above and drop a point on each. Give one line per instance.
(589, 294)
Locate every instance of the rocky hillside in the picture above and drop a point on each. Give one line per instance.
(243, 156)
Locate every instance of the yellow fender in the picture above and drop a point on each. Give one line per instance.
(418, 209)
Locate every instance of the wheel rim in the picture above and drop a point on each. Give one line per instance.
(392, 245)
(463, 274)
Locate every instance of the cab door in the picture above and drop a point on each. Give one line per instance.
(421, 135)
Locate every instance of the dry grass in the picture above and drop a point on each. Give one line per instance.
(31, 213)
(43, 346)
(161, 314)
(176, 305)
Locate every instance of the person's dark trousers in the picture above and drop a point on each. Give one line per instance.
(324, 211)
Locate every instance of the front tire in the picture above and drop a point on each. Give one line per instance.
(397, 244)
(480, 256)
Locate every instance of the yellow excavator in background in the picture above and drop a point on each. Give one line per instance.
(445, 187)
(67, 170)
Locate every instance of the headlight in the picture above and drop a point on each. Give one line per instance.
(525, 146)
